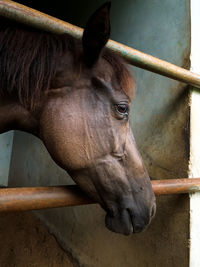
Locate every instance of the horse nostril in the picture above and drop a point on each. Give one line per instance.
(153, 211)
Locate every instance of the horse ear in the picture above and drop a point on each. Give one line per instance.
(96, 34)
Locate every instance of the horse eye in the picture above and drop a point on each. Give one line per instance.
(122, 109)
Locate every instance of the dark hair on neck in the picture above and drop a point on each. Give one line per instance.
(29, 60)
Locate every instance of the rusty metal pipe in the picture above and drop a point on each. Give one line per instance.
(176, 186)
(35, 198)
(26, 15)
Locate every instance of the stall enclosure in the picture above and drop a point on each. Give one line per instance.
(160, 118)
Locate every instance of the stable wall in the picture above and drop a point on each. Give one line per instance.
(160, 118)
(194, 166)
(6, 141)
(25, 242)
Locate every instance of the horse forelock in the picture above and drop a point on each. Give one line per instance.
(122, 73)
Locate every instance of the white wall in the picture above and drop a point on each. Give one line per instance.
(194, 170)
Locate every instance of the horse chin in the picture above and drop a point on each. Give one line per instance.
(120, 223)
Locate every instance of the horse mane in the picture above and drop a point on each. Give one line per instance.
(29, 60)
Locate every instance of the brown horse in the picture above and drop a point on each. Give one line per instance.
(76, 96)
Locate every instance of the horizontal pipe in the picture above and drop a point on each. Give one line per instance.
(35, 198)
(26, 15)
(176, 186)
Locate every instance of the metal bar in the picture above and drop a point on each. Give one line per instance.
(176, 186)
(26, 15)
(35, 198)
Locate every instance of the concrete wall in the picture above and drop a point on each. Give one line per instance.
(6, 141)
(194, 166)
(159, 119)
(25, 242)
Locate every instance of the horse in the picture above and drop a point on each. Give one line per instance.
(76, 95)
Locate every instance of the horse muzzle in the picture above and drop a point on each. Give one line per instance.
(127, 221)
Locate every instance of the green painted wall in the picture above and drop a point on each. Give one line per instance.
(159, 119)
(6, 141)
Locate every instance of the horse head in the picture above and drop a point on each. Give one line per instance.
(85, 127)
(82, 95)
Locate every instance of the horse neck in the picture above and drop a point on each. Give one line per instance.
(14, 116)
